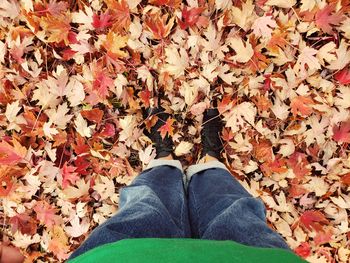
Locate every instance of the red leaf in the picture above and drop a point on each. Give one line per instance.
(342, 133)
(227, 135)
(68, 54)
(303, 250)
(324, 18)
(343, 76)
(11, 155)
(190, 17)
(46, 214)
(24, 223)
(313, 220)
(101, 83)
(108, 131)
(81, 164)
(68, 175)
(101, 21)
(167, 128)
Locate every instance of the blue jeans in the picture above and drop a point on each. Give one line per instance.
(215, 206)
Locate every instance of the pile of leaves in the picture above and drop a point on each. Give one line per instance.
(75, 76)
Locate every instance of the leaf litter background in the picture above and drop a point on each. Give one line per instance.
(76, 74)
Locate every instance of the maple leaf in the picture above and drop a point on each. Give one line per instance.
(57, 28)
(301, 105)
(313, 219)
(307, 57)
(244, 51)
(58, 243)
(298, 162)
(11, 155)
(345, 179)
(303, 250)
(101, 21)
(323, 237)
(120, 13)
(263, 26)
(158, 25)
(183, 148)
(276, 166)
(191, 17)
(94, 115)
(167, 128)
(145, 96)
(324, 18)
(342, 133)
(262, 150)
(170, 3)
(343, 76)
(68, 175)
(7, 184)
(24, 223)
(102, 83)
(114, 43)
(46, 214)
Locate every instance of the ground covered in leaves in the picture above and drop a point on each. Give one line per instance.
(75, 75)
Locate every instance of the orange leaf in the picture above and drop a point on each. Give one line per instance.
(11, 154)
(94, 115)
(119, 10)
(158, 25)
(56, 27)
(301, 105)
(345, 179)
(46, 214)
(170, 3)
(167, 128)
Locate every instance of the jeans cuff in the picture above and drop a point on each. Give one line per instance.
(196, 168)
(159, 162)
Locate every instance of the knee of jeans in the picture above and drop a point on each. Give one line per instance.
(250, 204)
(135, 193)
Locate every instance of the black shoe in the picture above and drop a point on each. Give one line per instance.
(165, 146)
(210, 134)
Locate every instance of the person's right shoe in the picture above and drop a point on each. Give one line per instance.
(164, 146)
(210, 134)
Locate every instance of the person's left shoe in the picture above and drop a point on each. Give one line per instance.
(164, 147)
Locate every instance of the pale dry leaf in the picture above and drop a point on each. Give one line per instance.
(244, 50)
(183, 148)
(82, 127)
(282, 3)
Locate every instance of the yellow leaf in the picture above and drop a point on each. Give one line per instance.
(56, 28)
(114, 43)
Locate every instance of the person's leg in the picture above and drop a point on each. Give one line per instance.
(221, 209)
(154, 204)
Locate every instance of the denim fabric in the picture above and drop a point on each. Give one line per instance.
(215, 207)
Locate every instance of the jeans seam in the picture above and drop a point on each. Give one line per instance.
(196, 211)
